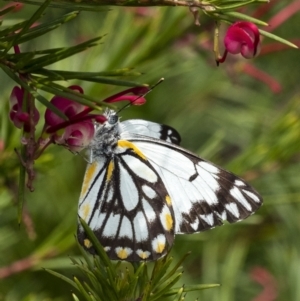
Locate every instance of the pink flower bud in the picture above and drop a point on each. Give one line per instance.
(77, 136)
(241, 37)
(78, 131)
(137, 99)
(68, 107)
(17, 115)
(16, 7)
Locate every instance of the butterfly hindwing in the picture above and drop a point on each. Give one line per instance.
(132, 216)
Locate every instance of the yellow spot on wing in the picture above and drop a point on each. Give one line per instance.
(122, 253)
(85, 211)
(88, 177)
(87, 243)
(144, 255)
(168, 200)
(127, 144)
(110, 170)
(160, 247)
(169, 221)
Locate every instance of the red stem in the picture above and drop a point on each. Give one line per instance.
(284, 14)
(262, 76)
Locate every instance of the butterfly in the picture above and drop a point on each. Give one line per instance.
(141, 188)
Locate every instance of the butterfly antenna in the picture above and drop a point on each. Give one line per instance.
(143, 95)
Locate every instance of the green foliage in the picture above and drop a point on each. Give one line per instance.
(223, 114)
(123, 281)
(31, 65)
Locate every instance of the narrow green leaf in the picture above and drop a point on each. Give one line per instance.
(62, 277)
(11, 30)
(60, 55)
(89, 290)
(117, 72)
(196, 287)
(82, 289)
(45, 76)
(48, 105)
(6, 10)
(21, 188)
(39, 97)
(86, 256)
(165, 287)
(75, 5)
(190, 288)
(106, 288)
(111, 272)
(99, 249)
(143, 282)
(240, 16)
(19, 58)
(97, 286)
(58, 76)
(75, 297)
(12, 75)
(176, 267)
(30, 22)
(36, 95)
(80, 98)
(138, 279)
(160, 269)
(12, 56)
(46, 27)
(179, 294)
(276, 38)
(231, 5)
(113, 82)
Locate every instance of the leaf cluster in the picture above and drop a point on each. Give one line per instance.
(124, 282)
(30, 69)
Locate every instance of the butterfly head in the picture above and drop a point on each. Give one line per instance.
(113, 119)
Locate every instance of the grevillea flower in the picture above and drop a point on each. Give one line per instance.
(77, 136)
(77, 132)
(134, 99)
(241, 37)
(18, 116)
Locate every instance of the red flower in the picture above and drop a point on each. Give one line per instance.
(68, 107)
(77, 132)
(241, 37)
(77, 136)
(134, 99)
(18, 116)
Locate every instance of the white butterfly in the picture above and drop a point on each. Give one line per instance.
(141, 189)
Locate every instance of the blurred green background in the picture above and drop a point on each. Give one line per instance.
(243, 115)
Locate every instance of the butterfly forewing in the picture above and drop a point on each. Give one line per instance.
(149, 129)
(203, 195)
(142, 188)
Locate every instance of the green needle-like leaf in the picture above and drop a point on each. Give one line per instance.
(43, 61)
(276, 38)
(21, 189)
(30, 22)
(239, 16)
(58, 275)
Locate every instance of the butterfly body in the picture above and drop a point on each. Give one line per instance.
(141, 188)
